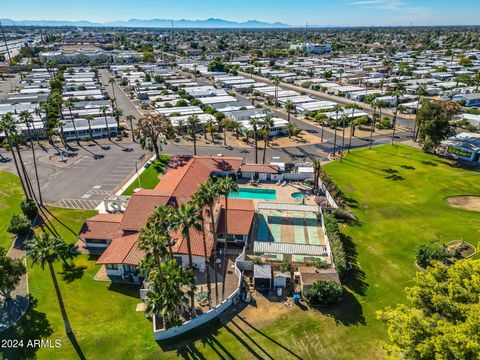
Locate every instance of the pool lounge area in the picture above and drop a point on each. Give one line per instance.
(254, 193)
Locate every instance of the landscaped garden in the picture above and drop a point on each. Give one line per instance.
(150, 177)
(398, 196)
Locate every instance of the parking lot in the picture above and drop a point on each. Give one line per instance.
(86, 182)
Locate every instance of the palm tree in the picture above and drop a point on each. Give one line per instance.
(193, 123)
(225, 123)
(421, 90)
(166, 294)
(317, 168)
(70, 103)
(236, 125)
(276, 81)
(47, 249)
(7, 126)
(211, 127)
(254, 123)
(199, 199)
(226, 186)
(209, 193)
(104, 110)
(289, 106)
(337, 108)
(130, 119)
(396, 93)
(152, 240)
(267, 126)
(352, 107)
(117, 112)
(375, 105)
(290, 129)
(111, 81)
(187, 218)
(27, 118)
(89, 119)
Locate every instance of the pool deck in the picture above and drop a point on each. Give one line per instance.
(284, 193)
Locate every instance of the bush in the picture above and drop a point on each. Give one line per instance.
(19, 225)
(336, 245)
(427, 253)
(29, 208)
(324, 292)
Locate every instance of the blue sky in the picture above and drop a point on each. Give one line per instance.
(293, 12)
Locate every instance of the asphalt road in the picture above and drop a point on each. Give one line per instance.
(122, 99)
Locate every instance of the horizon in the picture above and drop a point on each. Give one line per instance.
(344, 13)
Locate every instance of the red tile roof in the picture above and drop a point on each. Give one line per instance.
(260, 168)
(240, 217)
(139, 207)
(122, 250)
(101, 227)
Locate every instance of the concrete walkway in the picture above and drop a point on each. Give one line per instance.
(12, 309)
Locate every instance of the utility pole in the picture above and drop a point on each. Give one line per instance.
(5, 41)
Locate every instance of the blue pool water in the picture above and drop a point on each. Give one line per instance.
(250, 193)
(298, 195)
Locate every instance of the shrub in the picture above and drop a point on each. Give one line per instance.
(336, 245)
(29, 208)
(425, 254)
(324, 292)
(19, 225)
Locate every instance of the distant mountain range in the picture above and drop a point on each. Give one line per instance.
(211, 23)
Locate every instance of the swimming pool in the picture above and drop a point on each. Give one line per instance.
(250, 193)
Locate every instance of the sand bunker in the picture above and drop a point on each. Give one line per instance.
(467, 202)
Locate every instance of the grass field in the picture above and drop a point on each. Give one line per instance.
(11, 195)
(150, 177)
(397, 194)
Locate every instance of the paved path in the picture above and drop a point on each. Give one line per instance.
(13, 308)
(123, 101)
(7, 85)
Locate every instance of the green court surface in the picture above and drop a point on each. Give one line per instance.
(295, 227)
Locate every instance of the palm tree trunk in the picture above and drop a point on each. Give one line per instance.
(68, 328)
(25, 173)
(351, 131)
(224, 136)
(190, 264)
(207, 267)
(212, 220)
(225, 260)
(264, 149)
(35, 165)
(194, 142)
(335, 139)
(106, 124)
(16, 165)
(73, 123)
(256, 147)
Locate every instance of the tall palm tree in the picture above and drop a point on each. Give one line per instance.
(225, 124)
(27, 118)
(289, 106)
(236, 125)
(337, 108)
(166, 293)
(152, 240)
(47, 249)
(188, 218)
(352, 107)
(104, 110)
(130, 119)
(317, 168)
(421, 91)
(117, 112)
(210, 193)
(111, 81)
(70, 103)
(254, 123)
(396, 93)
(89, 119)
(226, 186)
(375, 105)
(7, 126)
(200, 200)
(266, 127)
(276, 81)
(193, 124)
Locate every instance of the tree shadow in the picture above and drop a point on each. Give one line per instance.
(72, 272)
(395, 177)
(131, 290)
(430, 163)
(59, 221)
(407, 167)
(33, 326)
(348, 312)
(76, 346)
(355, 276)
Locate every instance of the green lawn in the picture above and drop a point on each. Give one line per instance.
(397, 194)
(11, 195)
(150, 177)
